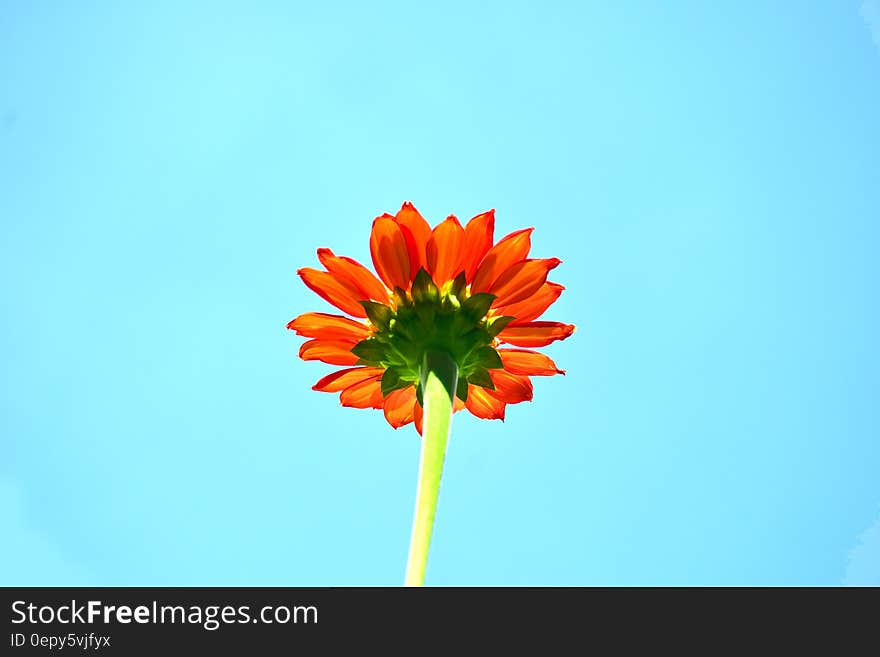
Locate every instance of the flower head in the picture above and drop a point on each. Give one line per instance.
(450, 288)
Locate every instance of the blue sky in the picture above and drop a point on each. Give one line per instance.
(708, 173)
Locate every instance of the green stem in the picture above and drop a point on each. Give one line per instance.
(439, 377)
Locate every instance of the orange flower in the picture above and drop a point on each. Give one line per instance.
(447, 288)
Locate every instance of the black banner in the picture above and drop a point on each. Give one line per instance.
(171, 621)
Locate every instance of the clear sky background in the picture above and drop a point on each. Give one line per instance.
(708, 173)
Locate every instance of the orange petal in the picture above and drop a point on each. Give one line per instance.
(355, 275)
(399, 407)
(420, 231)
(418, 416)
(331, 289)
(512, 249)
(478, 235)
(533, 307)
(535, 334)
(366, 394)
(511, 388)
(390, 254)
(522, 280)
(335, 352)
(342, 379)
(530, 363)
(457, 405)
(444, 250)
(329, 327)
(482, 404)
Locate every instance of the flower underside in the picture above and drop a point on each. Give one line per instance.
(448, 319)
(450, 289)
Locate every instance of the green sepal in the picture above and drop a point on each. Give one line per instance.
(487, 357)
(370, 350)
(402, 324)
(391, 381)
(404, 351)
(467, 342)
(401, 298)
(379, 315)
(461, 388)
(495, 325)
(477, 305)
(459, 283)
(423, 289)
(480, 377)
(462, 325)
